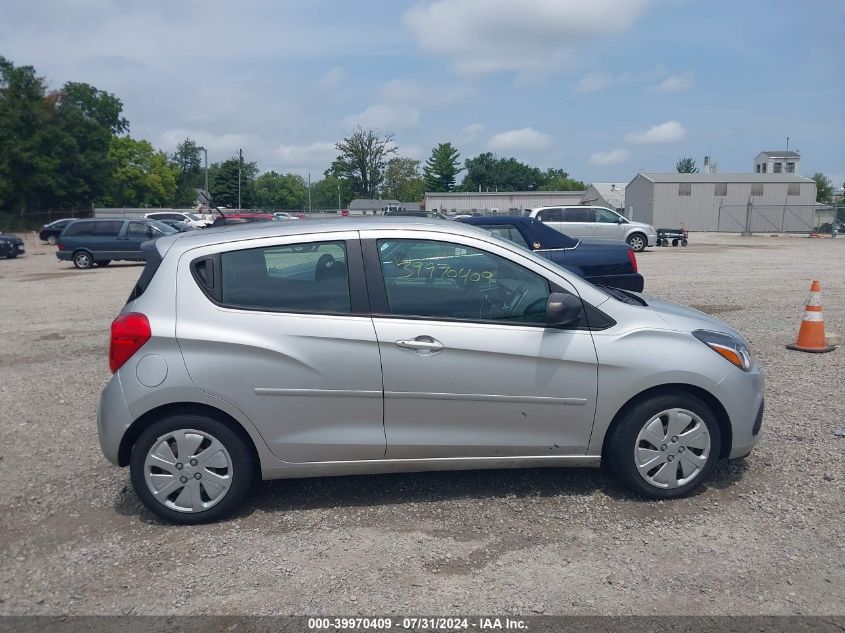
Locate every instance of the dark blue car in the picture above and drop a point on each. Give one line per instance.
(602, 262)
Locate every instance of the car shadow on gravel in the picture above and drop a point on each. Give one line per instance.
(360, 493)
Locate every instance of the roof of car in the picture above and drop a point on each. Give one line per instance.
(217, 235)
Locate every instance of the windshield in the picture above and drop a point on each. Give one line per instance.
(162, 227)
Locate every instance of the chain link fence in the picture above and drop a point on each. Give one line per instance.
(778, 218)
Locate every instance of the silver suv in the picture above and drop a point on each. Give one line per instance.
(338, 347)
(596, 222)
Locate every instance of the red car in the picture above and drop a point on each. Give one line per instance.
(225, 219)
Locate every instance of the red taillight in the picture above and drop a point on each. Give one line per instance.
(61, 246)
(129, 332)
(633, 259)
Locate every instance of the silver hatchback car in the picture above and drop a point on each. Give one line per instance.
(303, 349)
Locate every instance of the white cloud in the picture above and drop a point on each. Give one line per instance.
(530, 36)
(593, 82)
(669, 132)
(386, 118)
(613, 157)
(297, 154)
(523, 139)
(221, 144)
(676, 83)
(472, 131)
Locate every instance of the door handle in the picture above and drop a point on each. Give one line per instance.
(421, 343)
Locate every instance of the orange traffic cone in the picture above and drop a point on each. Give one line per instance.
(811, 332)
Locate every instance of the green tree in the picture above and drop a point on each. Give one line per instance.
(53, 146)
(402, 180)
(489, 172)
(824, 188)
(187, 162)
(277, 191)
(362, 159)
(442, 168)
(223, 183)
(90, 119)
(686, 166)
(326, 192)
(140, 177)
(26, 154)
(559, 180)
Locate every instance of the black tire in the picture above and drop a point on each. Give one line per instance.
(674, 242)
(52, 240)
(241, 473)
(103, 262)
(638, 242)
(684, 242)
(620, 446)
(83, 260)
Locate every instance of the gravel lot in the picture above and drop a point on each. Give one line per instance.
(765, 536)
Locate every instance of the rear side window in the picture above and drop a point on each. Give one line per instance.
(550, 215)
(508, 232)
(107, 228)
(79, 229)
(137, 229)
(578, 214)
(311, 277)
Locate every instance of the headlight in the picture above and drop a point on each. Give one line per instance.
(729, 347)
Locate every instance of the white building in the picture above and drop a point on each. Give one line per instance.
(777, 162)
(606, 194)
(718, 202)
(509, 202)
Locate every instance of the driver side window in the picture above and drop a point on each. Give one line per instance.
(430, 279)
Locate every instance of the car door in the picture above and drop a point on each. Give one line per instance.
(280, 328)
(135, 234)
(606, 225)
(105, 241)
(578, 222)
(469, 368)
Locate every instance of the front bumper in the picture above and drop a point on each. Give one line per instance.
(652, 238)
(741, 393)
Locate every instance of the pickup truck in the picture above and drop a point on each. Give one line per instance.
(602, 262)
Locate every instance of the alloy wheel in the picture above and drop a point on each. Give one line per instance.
(188, 470)
(672, 448)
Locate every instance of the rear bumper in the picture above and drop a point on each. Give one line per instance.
(113, 419)
(8, 248)
(63, 255)
(629, 281)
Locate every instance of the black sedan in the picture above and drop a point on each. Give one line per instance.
(11, 246)
(50, 232)
(602, 262)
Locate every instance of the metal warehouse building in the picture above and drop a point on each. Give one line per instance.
(719, 202)
(499, 202)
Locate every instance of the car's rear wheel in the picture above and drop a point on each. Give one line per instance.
(665, 447)
(52, 240)
(637, 242)
(191, 469)
(83, 260)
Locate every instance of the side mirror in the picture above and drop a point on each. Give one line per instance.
(563, 309)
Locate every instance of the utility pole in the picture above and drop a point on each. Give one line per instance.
(205, 186)
(309, 192)
(338, 196)
(240, 169)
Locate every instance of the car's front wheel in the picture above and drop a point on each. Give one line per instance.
(637, 242)
(191, 469)
(665, 446)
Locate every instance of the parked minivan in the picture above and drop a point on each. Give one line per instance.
(100, 241)
(379, 345)
(596, 222)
